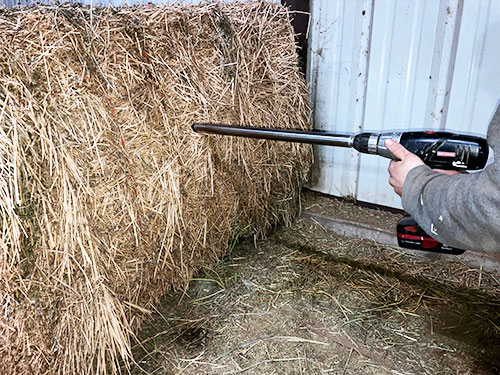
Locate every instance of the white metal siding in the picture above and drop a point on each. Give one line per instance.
(406, 64)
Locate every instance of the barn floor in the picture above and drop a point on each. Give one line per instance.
(308, 301)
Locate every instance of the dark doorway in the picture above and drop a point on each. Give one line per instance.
(300, 14)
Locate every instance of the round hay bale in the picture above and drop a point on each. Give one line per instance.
(108, 200)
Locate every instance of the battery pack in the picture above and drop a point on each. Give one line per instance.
(412, 236)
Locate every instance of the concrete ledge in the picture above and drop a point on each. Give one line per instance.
(353, 229)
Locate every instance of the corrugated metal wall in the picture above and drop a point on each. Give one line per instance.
(383, 65)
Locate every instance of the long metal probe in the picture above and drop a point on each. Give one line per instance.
(313, 137)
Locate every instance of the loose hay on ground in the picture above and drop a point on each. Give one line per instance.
(308, 301)
(107, 198)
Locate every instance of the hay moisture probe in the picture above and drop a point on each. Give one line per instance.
(443, 150)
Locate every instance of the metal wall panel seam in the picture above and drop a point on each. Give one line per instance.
(379, 104)
(450, 43)
(475, 64)
(314, 61)
(408, 84)
(343, 84)
(440, 78)
(325, 72)
(341, 40)
(336, 177)
(475, 90)
(384, 64)
(480, 62)
(364, 67)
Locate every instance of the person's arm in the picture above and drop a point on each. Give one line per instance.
(460, 210)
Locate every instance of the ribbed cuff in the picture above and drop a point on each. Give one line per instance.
(413, 187)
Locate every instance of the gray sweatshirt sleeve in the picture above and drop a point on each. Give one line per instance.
(462, 210)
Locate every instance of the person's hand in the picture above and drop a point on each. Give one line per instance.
(398, 169)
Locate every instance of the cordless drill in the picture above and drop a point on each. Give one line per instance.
(443, 150)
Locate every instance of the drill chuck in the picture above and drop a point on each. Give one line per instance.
(374, 143)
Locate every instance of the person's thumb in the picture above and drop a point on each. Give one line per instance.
(396, 148)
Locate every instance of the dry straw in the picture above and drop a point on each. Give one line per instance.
(108, 200)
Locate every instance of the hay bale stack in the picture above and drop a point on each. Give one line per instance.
(107, 198)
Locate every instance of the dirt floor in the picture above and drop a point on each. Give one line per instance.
(307, 301)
